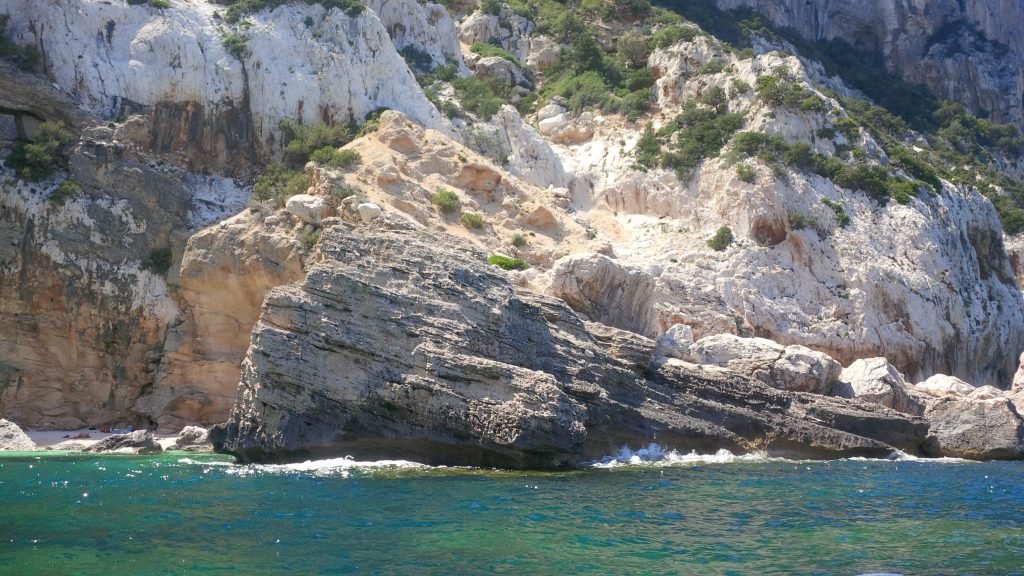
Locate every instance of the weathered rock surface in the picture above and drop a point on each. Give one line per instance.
(922, 40)
(943, 385)
(226, 272)
(84, 311)
(785, 367)
(210, 108)
(876, 380)
(13, 438)
(193, 439)
(976, 429)
(137, 442)
(396, 346)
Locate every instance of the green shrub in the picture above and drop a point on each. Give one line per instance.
(716, 99)
(486, 49)
(519, 240)
(471, 220)
(842, 218)
(478, 97)
(634, 48)
(767, 147)
(39, 159)
(278, 183)
(339, 192)
(159, 261)
(797, 221)
(869, 178)
(418, 60)
(492, 7)
(67, 190)
(648, 149)
(234, 43)
(746, 173)
(301, 141)
(738, 87)
(848, 127)
(446, 201)
(334, 158)
(698, 134)
(673, 34)
(154, 3)
(239, 8)
(506, 263)
(308, 239)
(902, 191)
(826, 133)
(721, 240)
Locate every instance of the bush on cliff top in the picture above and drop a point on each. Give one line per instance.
(239, 8)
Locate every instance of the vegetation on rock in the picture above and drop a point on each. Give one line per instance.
(47, 152)
(506, 263)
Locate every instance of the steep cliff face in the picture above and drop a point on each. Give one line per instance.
(83, 318)
(968, 51)
(213, 109)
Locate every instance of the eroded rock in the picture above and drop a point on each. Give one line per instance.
(13, 438)
(137, 442)
(482, 374)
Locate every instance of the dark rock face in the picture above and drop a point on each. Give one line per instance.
(980, 429)
(396, 345)
(138, 442)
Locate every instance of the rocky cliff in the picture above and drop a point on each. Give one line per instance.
(394, 347)
(212, 108)
(969, 51)
(133, 298)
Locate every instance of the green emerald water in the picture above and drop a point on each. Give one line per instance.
(112, 515)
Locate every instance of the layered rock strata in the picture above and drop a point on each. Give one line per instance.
(396, 346)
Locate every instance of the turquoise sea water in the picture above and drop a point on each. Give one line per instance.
(169, 514)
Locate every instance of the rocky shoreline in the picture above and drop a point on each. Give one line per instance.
(395, 347)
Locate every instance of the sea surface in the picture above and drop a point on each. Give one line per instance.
(646, 512)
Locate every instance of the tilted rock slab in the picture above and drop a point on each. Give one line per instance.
(398, 345)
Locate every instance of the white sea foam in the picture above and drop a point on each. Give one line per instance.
(330, 467)
(655, 454)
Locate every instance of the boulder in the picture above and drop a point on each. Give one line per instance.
(193, 439)
(13, 438)
(975, 429)
(484, 374)
(308, 208)
(675, 342)
(369, 211)
(877, 381)
(502, 71)
(986, 393)
(137, 442)
(785, 367)
(69, 446)
(943, 385)
(543, 52)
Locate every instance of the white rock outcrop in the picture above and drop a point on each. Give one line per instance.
(174, 63)
(942, 385)
(308, 208)
(785, 367)
(876, 380)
